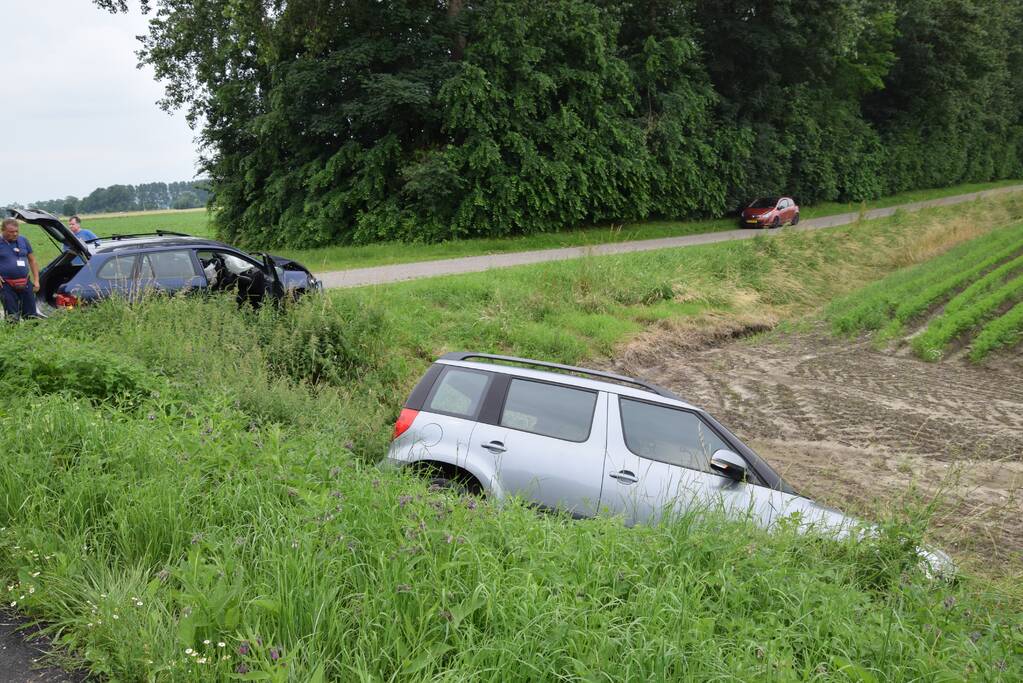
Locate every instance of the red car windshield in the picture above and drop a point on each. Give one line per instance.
(764, 203)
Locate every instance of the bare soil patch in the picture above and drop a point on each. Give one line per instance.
(861, 428)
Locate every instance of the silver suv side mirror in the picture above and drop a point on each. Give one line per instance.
(729, 464)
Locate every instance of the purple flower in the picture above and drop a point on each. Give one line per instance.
(243, 649)
(950, 602)
(275, 654)
(404, 500)
(471, 503)
(241, 669)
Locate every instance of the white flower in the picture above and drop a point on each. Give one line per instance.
(188, 650)
(201, 660)
(221, 644)
(116, 617)
(13, 603)
(206, 642)
(35, 575)
(89, 624)
(31, 590)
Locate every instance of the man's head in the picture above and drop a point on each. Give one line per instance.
(76, 224)
(10, 229)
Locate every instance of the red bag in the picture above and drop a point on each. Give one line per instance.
(16, 283)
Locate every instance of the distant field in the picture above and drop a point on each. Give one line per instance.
(970, 298)
(192, 222)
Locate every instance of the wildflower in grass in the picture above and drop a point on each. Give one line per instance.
(116, 617)
(221, 644)
(446, 615)
(188, 650)
(950, 602)
(449, 538)
(196, 539)
(471, 503)
(404, 500)
(35, 575)
(206, 642)
(201, 660)
(243, 649)
(13, 603)
(334, 471)
(163, 575)
(404, 588)
(241, 669)
(151, 417)
(89, 624)
(275, 654)
(376, 483)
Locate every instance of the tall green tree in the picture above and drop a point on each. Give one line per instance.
(325, 121)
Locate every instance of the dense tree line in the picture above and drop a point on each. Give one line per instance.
(427, 119)
(144, 197)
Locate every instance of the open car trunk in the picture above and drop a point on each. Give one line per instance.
(58, 272)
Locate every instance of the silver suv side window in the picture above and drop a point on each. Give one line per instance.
(677, 437)
(459, 392)
(549, 410)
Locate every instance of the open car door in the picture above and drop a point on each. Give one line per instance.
(52, 226)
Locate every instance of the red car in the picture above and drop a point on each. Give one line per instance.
(770, 212)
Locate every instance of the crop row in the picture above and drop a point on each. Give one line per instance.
(931, 344)
(999, 333)
(908, 292)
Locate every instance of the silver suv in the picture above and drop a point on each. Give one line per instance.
(588, 442)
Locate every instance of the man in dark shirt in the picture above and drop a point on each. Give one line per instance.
(16, 261)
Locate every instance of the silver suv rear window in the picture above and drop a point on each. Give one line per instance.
(668, 435)
(459, 392)
(549, 410)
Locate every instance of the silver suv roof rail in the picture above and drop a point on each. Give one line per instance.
(610, 376)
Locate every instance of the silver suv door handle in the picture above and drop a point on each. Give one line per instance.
(495, 447)
(624, 477)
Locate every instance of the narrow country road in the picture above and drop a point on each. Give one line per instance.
(359, 277)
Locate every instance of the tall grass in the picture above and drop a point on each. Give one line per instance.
(227, 495)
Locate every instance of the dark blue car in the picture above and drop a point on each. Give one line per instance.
(165, 262)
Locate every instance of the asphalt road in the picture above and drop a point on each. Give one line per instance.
(20, 658)
(360, 277)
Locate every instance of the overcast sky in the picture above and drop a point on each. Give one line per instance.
(76, 113)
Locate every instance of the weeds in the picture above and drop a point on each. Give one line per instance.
(227, 521)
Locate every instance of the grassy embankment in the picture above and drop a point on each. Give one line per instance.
(972, 295)
(180, 475)
(343, 257)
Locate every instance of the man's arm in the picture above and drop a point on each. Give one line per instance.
(34, 266)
